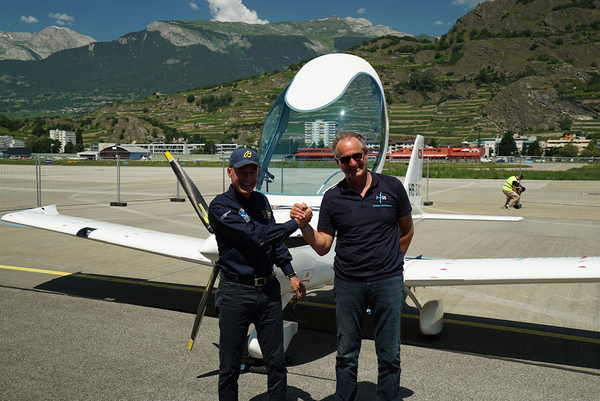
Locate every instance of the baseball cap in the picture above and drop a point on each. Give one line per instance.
(242, 156)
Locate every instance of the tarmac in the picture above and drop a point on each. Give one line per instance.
(90, 321)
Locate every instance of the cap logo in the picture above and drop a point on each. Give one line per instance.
(248, 154)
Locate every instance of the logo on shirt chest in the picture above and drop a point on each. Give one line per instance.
(382, 201)
(267, 214)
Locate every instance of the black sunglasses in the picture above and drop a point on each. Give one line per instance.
(346, 159)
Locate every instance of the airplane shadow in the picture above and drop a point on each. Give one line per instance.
(534, 343)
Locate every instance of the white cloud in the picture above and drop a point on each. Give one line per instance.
(193, 6)
(467, 3)
(62, 19)
(233, 11)
(29, 20)
(361, 11)
(438, 23)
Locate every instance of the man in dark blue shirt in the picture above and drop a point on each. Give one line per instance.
(370, 215)
(250, 243)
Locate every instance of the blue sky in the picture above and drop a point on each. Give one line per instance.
(107, 20)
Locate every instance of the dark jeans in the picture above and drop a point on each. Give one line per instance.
(238, 305)
(384, 298)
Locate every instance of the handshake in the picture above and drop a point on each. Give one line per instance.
(302, 213)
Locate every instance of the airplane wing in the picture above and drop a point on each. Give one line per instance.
(314, 271)
(172, 245)
(441, 272)
(452, 216)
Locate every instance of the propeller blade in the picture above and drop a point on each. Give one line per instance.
(203, 304)
(191, 191)
(201, 208)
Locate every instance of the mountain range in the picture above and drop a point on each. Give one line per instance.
(527, 66)
(166, 57)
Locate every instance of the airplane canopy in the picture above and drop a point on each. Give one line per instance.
(330, 94)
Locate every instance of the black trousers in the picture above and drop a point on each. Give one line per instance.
(238, 305)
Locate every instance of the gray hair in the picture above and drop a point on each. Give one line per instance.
(345, 135)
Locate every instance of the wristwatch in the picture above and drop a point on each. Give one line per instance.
(289, 276)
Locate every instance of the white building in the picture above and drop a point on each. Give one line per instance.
(580, 141)
(489, 145)
(226, 148)
(7, 141)
(173, 148)
(63, 137)
(319, 130)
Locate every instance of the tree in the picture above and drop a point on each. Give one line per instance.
(38, 127)
(210, 147)
(43, 145)
(591, 150)
(565, 124)
(422, 82)
(197, 138)
(507, 145)
(534, 149)
(79, 136)
(569, 150)
(212, 103)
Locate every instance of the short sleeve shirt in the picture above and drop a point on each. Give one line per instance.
(367, 234)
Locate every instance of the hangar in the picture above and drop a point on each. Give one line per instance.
(125, 152)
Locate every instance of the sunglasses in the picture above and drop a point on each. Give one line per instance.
(346, 159)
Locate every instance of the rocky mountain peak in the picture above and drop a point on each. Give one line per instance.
(36, 46)
(364, 26)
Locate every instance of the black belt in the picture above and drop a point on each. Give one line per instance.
(256, 282)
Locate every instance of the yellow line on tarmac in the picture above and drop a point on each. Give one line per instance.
(27, 269)
(122, 280)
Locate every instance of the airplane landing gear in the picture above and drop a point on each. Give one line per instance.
(431, 315)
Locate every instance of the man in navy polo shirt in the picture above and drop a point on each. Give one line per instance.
(370, 215)
(249, 244)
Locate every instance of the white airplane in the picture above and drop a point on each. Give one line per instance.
(343, 91)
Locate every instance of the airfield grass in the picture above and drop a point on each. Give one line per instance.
(468, 170)
(497, 171)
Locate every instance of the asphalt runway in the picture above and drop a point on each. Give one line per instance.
(84, 320)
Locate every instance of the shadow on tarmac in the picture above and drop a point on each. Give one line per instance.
(294, 393)
(496, 338)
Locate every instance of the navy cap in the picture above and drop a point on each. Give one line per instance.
(242, 156)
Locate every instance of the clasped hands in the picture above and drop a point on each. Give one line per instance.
(302, 213)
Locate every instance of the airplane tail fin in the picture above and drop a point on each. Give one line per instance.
(414, 173)
(412, 184)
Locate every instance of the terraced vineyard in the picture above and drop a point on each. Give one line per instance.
(452, 120)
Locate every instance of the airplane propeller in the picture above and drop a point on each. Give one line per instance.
(201, 208)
